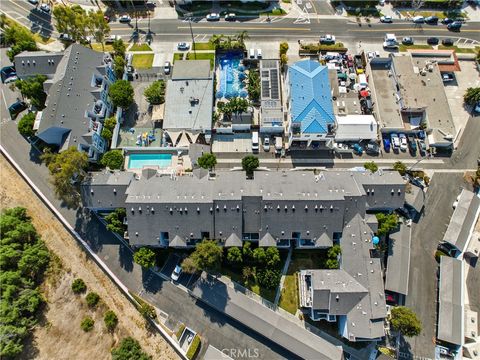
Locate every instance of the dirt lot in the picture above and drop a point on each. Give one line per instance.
(61, 336)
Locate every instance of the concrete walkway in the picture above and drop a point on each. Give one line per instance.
(282, 279)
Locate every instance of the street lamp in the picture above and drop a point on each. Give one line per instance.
(191, 33)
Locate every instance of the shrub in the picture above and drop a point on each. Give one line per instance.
(112, 159)
(92, 299)
(234, 256)
(129, 349)
(78, 286)
(194, 347)
(180, 331)
(144, 257)
(249, 164)
(25, 125)
(370, 165)
(87, 324)
(121, 93)
(283, 48)
(268, 278)
(111, 320)
(155, 93)
(405, 321)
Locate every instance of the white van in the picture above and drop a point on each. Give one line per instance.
(259, 53)
(251, 53)
(278, 145)
(255, 141)
(362, 81)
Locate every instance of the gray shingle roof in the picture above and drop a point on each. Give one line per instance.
(106, 189)
(267, 240)
(31, 63)
(463, 220)
(398, 263)
(450, 293)
(233, 240)
(191, 69)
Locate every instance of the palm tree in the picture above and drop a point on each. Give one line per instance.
(241, 37)
(216, 40)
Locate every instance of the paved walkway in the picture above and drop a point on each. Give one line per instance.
(282, 280)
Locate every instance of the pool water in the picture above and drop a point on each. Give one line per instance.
(138, 161)
(231, 76)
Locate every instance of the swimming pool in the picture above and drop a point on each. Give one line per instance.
(231, 76)
(138, 161)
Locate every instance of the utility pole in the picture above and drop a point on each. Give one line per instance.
(191, 33)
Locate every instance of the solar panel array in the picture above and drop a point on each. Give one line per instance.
(265, 88)
(274, 92)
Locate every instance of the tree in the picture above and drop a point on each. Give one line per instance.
(370, 165)
(400, 167)
(207, 255)
(247, 273)
(32, 89)
(207, 161)
(155, 93)
(268, 278)
(121, 93)
(98, 26)
(259, 256)
(111, 320)
(386, 223)
(241, 37)
(64, 168)
(253, 84)
(247, 251)
(332, 257)
(72, 20)
(19, 39)
(144, 257)
(234, 256)
(283, 59)
(87, 324)
(25, 125)
(119, 65)
(113, 159)
(119, 47)
(78, 286)
(283, 48)
(405, 321)
(472, 96)
(272, 257)
(92, 299)
(108, 127)
(115, 221)
(249, 164)
(188, 266)
(129, 349)
(34, 260)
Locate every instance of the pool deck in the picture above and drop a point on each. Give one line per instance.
(128, 139)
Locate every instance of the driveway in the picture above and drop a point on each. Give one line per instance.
(426, 235)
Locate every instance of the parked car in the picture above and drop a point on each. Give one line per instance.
(447, 21)
(65, 37)
(357, 149)
(422, 147)
(45, 8)
(327, 39)
(447, 248)
(432, 20)
(11, 79)
(454, 26)
(418, 19)
(124, 19)
(6, 72)
(167, 67)
(447, 77)
(16, 108)
(407, 40)
(112, 38)
(183, 46)
(455, 203)
(213, 17)
(448, 42)
(386, 144)
(372, 148)
(266, 144)
(176, 273)
(395, 141)
(432, 41)
(230, 17)
(33, 2)
(373, 54)
(386, 19)
(403, 142)
(412, 143)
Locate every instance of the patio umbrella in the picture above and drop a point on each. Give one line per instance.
(375, 240)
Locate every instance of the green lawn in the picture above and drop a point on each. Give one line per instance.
(438, 13)
(404, 48)
(177, 56)
(12, 23)
(203, 56)
(98, 47)
(289, 296)
(251, 285)
(460, 50)
(140, 47)
(203, 46)
(142, 61)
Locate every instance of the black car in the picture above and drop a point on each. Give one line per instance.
(372, 148)
(432, 41)
(432, 20)
(16, 108)
(454, 26)
(413, 143)
(6, 72)
(447, 42)
(407, 40)
(447, 21)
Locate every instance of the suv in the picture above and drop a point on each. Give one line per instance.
(407, 40)
(16, 108)
(166, 67)
(413, 143)
(7, 72)
(372, 148)
(230, 17)
(432, 41)
(456, 25)
(65, 37)
(327, 39)
(213, 17)
(447, 42)
(183, 46)
(432, 20)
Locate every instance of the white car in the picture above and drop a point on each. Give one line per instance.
(455, 203)
(327, 39)
(11, 79)
(183, 46)
(45, 8)
(124, 19)
(34, 2)
(418, 19)
(176, 273)
(395, 141)
(403, 142)
(266, 144)
(167, 67)
(213, 17)
(112, 38)
(386, 19)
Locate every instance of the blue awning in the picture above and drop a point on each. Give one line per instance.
(54, 135)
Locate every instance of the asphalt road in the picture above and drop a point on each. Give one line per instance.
(280, 29)
(426, 235)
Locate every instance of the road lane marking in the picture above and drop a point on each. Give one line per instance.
(245, 28)
(385, 30)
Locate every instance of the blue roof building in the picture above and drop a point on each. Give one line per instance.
(310, 100)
